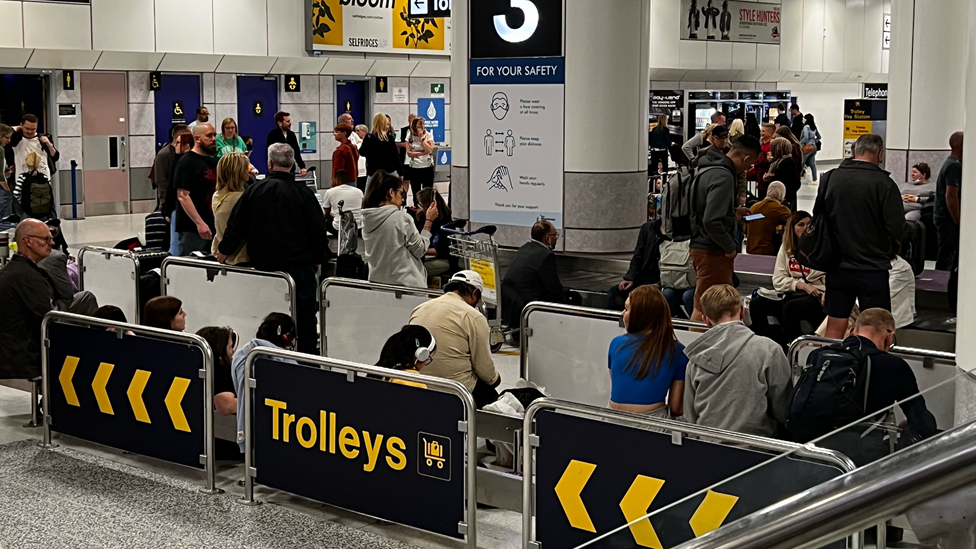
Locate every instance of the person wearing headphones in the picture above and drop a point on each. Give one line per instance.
(408, 350)
(463, 337)
(277, 331)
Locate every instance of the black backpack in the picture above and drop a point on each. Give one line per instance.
(832, 392)
(36, 195)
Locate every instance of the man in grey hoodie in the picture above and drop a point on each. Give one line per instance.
(735, 379)
(714, 214)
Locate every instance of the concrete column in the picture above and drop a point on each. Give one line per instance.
(926, 81)
(606, 103)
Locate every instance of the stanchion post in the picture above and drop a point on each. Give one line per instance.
(74, 192)
(208, 423)
(249, 385)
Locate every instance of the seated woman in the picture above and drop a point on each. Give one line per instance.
(166, 313)
(761, 234)
(408, 350)
(918, 191)
(223, 344)
(394, 248)
(647, 364)
(438, 259)
(797, 294)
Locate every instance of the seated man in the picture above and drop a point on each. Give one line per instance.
(277, 331)
(462, 336)
(63, 292)
(643, 266)
(891, 380)
(532, 275)
(25, 297)
(735, 380)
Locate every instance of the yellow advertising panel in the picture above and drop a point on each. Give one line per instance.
(376, 26)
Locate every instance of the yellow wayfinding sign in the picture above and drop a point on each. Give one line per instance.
(173, 400)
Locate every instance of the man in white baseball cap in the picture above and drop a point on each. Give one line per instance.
(463, 337)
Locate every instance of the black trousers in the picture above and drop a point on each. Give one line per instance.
(306, 290)
(483, 394)
(790, 312)
(420, 178)
(948, 233)
(659, 157)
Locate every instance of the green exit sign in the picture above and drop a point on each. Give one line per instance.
(437, 88)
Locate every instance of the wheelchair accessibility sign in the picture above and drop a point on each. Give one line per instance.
(434, 456)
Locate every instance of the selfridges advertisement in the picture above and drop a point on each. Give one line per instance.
(729, 21)
(374, 26)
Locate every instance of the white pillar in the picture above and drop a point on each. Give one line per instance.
(926, 81)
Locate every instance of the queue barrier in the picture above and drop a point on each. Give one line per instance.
(134, 388)
(413, 446)
(931, 369)
(597, 470)
(225, 295)
(113, 276)
(357, 316)
(564, 349)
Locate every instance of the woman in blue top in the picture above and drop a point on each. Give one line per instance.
(647, 364)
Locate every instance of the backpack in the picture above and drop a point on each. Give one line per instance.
(832, 392)
(36, 195)
(675, 207)
(675, 266)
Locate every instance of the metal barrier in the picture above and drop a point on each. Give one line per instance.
(224, 295)
(571, 361)
(130, 426)
(113, 276)
(569, 435)
(931, 368)
(358, 316)
(302, 384)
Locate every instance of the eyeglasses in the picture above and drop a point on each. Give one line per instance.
(48, 239)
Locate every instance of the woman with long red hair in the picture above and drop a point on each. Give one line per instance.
(647, 364)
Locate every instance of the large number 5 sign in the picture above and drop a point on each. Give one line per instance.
(528, 27)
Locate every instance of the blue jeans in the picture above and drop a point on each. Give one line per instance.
(191, 242)
(6, 203)
(811, 160)
(174, 241)
(677, 298)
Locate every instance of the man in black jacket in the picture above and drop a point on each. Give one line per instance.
(532, 275)
(283, 134)
(25, 297)
(644, 266)
(282, 224)
(797, 126)
(865, 218)
(163, 165)
(714, 215)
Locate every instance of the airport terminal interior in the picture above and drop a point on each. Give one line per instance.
(501, 274)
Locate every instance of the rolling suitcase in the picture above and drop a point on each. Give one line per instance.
(913, 246)
(349, 264)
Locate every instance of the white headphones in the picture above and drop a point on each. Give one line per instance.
(422, 354)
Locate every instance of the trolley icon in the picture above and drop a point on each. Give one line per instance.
(434, 452)
(434, 456)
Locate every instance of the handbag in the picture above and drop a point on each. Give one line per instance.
(815, 248)
(807, 149)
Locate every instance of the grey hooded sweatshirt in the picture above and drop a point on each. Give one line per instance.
(737, 381)
(394, 248)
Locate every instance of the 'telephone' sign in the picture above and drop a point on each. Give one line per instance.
(319, 435)
(516, 28)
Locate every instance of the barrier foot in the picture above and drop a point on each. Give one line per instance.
(32, 424)
(211, 492)
(47, 445)
(251, 503)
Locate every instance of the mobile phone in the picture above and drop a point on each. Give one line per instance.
(755, 217)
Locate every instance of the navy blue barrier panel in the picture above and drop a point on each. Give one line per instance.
(593, 477)
(370, 446)
(136, 394)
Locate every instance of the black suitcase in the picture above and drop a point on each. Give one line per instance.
(913, 246)
(351, 266)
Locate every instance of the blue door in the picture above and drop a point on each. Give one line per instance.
(177, 102)
(351, 98)
(257, 103)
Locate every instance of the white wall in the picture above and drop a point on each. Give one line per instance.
(826, 103)
(817, 36)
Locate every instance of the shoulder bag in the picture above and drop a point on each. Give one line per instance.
(816, 248)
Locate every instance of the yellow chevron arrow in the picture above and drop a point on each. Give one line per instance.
(138, 385)
(67, 372)
(712, 512)
(173, 399)
(568, 490)
(634, 506)
(101, 380)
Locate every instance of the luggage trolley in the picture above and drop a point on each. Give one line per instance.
(481, 256)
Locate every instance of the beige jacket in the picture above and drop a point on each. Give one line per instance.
(786, 274)
(462, 335)
(223, 205)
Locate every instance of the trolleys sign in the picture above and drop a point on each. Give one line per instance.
(730, 21)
